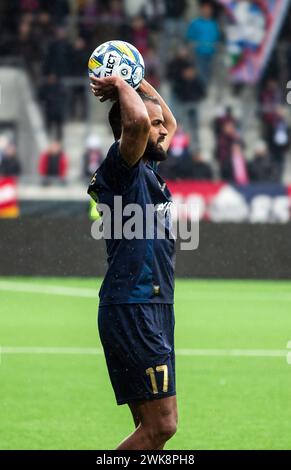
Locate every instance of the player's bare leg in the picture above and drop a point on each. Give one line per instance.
(135, 415)
(158, 423)
(137, 420)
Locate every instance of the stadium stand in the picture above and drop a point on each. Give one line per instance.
(44, 49)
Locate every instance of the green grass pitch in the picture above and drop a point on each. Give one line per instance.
(227, 399)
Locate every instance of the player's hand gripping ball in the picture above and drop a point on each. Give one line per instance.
(117, 58)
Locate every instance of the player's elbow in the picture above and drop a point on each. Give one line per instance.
(173, 124)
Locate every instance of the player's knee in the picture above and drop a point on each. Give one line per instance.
(168, 430)
(164, 430)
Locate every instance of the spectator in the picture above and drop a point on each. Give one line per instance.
(9, 162)
(29, 6)
(58, 60)
(52, 96)
(43, 32)
(115, 10)
(88, 8)
(58, 10)
(139, 34)
(152, 66)
(24, 45)
(154, 12)
(53, 164)
(223, 116)
(112, 21)
(230, 156)
(93, 156)
(270, 99)
(203, 32)
(180, 143)
(193, 166)
(175, 10)
(279, 140)
(174, 24)
(78, 90)
(166, 15)
(178, 151)
(88, 11)
(181, 59)
(113, 15)
(261, 169)
(188, 91)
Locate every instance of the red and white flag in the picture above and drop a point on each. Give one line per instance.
(8, 198)
(251, 32)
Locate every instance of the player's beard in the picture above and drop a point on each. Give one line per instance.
(155, 152)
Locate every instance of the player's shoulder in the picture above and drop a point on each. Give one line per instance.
(114, 149)
(114, 153)
(115, 173)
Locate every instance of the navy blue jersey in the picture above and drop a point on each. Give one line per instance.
(141, 269)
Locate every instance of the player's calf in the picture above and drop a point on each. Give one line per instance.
(159, 419)
(162, 431)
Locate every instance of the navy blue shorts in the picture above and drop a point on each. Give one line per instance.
(138, 342)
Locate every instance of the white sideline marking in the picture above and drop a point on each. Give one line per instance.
(179, 352)
(26, 287)
(48, 289)
(49, 350)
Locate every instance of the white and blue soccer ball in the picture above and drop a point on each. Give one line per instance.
(117, 58)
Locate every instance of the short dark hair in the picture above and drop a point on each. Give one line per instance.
(114, 115)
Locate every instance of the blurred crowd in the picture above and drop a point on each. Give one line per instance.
(53, 163)
(53, 40)
(9, 161)
(268, 153)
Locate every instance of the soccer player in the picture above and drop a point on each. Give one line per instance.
(136, 313)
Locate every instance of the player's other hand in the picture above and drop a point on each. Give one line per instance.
(106, 88)
(145, 87)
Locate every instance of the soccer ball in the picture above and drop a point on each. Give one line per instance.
(117, 58)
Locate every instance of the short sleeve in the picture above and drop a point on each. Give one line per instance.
(116, 173)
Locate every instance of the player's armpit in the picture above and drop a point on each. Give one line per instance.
(134, 140)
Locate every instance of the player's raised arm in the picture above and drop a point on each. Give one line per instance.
(169, 119)
(134, 116)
